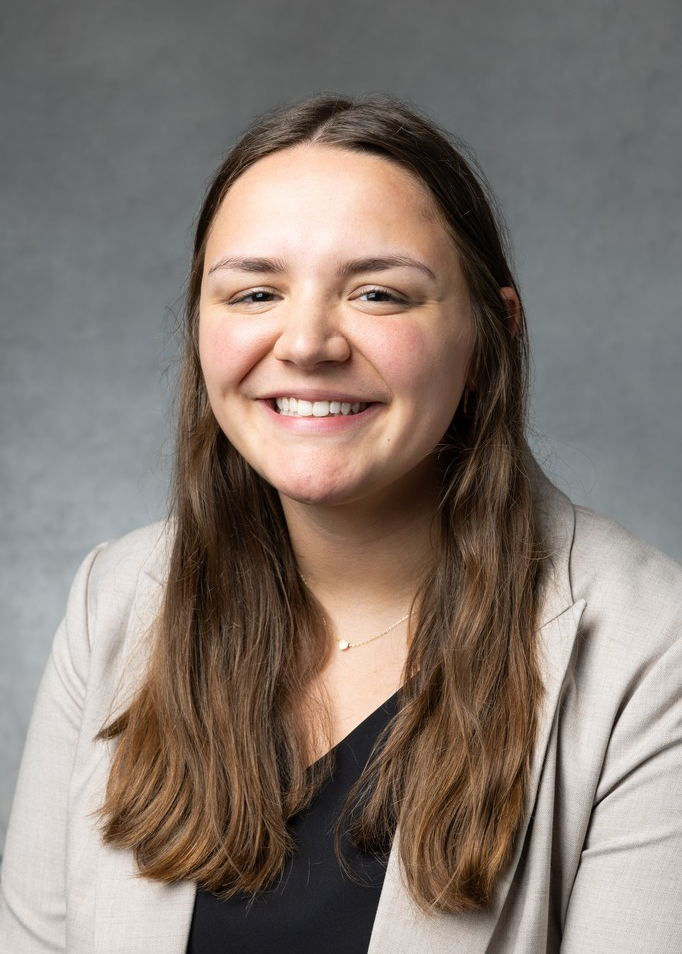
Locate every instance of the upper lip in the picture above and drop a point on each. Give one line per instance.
(318, 394)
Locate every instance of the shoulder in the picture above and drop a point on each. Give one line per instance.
(602, 544)
(624, 578)
(114, 599)
(125, 582)
(620, 698)
(624, 687)
(121, 561)
(626, 595)
(115, 571)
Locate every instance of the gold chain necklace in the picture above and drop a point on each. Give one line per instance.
(343, 644)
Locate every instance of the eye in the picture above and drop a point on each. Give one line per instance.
(255, 296)
(380, 296)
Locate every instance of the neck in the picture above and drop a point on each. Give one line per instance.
(375, 556)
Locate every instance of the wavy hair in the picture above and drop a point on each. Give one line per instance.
(213, 752)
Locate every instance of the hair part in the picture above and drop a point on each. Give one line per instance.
(213, 753)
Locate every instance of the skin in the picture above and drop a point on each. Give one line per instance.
(397, 338)
(329, 276)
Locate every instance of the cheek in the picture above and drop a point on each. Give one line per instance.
(416, 361)
(228, 350)
(396, 350)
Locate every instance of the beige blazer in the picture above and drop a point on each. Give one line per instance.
(598, 865)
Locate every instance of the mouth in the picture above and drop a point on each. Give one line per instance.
(297, 407)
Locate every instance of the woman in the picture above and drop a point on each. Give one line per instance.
(377, 685)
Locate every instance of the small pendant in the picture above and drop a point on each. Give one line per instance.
(344, 644)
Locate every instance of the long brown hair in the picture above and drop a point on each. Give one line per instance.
(212, 754)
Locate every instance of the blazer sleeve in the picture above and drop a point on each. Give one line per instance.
(32, 889)
(627, 895)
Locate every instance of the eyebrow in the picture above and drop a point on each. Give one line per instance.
(258, 265)
(262, 266)
(358, 265)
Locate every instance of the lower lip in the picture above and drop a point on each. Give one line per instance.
(332, 424)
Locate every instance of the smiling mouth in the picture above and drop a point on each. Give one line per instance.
(297, 407)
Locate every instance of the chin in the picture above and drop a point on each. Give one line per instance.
(306, 481)
(312, 495)
(314, 489)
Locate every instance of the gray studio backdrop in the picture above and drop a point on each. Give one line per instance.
(114, 115)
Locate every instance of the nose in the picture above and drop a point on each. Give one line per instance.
(310, 336)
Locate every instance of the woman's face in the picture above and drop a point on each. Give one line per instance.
(335, 329)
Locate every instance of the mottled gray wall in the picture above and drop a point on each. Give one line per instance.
(114, 113)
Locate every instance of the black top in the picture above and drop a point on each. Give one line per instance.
(315, 906)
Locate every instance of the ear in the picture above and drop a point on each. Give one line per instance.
(513, 308)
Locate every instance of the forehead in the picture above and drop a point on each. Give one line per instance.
(294, 167)
(321, 190)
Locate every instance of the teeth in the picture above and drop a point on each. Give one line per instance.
(293, 407)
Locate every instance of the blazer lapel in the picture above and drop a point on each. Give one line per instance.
(402, 928)
(132, 913)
